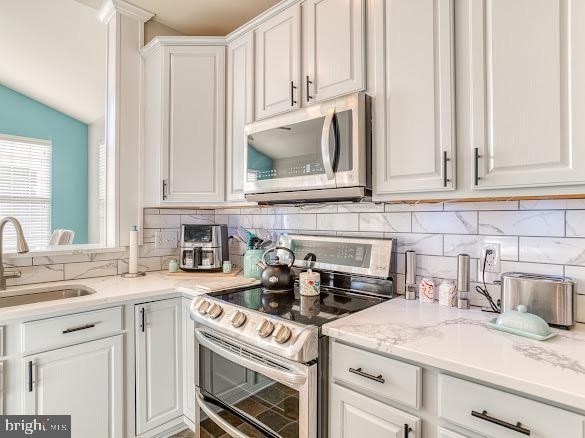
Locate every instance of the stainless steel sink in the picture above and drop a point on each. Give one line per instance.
(42, 294)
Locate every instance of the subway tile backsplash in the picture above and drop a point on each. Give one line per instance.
(540, 236)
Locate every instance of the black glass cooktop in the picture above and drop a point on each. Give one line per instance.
(318, 310)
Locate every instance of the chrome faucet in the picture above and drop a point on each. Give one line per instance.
(21, 247)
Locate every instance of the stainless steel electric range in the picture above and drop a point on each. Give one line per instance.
(263, 362)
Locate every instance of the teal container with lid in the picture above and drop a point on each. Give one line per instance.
(251, 259)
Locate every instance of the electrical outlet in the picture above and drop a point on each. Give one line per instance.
(490, 258)
(166, 239)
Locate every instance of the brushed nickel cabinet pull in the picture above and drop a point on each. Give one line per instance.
(164, 189)
(359, 372)
(476, 166)
(309, 82)
(30, 376)
(445, 159)
(76, 329)
(292, 93)
(515, 427)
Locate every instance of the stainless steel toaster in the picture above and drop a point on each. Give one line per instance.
(550, 297)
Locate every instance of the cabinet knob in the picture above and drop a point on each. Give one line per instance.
(238, 319)
(202, 306)
(265, 328)
(281, 333)
(215, 311)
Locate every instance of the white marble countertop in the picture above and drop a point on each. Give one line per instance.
(110, 290)
(459, 341)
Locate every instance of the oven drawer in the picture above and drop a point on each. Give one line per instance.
(496, 414)
(47, 334)
(381, 375)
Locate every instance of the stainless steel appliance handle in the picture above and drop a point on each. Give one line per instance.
(325, 135)
(515, 427)
(218, 419)
(273, 373)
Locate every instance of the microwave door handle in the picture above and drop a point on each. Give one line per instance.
(325, 150)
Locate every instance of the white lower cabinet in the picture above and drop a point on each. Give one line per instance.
(446, 433)
(159, 344)
(356, 415)
(189, 364)
(84, 381)
(498, 414)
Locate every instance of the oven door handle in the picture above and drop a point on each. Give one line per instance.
(291, 378)
(325, 151)
(217, 419)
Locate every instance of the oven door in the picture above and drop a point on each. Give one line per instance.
(322, 146)
(245, 391)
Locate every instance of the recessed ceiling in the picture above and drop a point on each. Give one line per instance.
(55, 52)
(204, 17)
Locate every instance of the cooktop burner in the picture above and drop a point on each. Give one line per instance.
(316, 310)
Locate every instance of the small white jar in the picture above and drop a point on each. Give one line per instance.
(426, 290)
(448, 293)
(310, 283)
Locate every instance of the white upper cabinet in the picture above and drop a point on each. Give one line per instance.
(527, 88)
(84, 381)
(159, 371)
(333, 48)
(184, 128)
(278, 59)
(415, 146)
(240, 111)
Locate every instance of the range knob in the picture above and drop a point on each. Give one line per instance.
(214, 311)
(281, 333)
(202, 306)
(265, 328)
(238, 319)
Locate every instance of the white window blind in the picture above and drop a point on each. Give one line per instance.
(25, 188)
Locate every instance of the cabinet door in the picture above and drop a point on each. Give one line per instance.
(417, 152)
(193, 126)
(240, 111)
(334, 51)
(159, 392)
(84, 381)
(354, 415)
(278, 59)
(527, 87)
(445, 433)
(189, 366)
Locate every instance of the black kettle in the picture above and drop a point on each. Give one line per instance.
(277, 276)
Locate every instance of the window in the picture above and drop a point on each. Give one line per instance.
(25, 188)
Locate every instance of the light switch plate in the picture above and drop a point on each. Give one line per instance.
(166, 239)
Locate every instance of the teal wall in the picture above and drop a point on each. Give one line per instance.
(25, 117)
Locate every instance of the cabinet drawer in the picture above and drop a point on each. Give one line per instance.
(387, 377)
(46, 334)
(499, 414)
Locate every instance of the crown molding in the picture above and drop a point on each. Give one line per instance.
(259, 19)
(110, 7)
(181, 41)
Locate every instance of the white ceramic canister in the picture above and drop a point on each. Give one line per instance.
(448, 293)
(310, 283)
(426, 290)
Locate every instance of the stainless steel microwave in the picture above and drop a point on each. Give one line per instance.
(321, 152)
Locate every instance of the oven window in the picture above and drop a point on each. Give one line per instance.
(261, 399)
